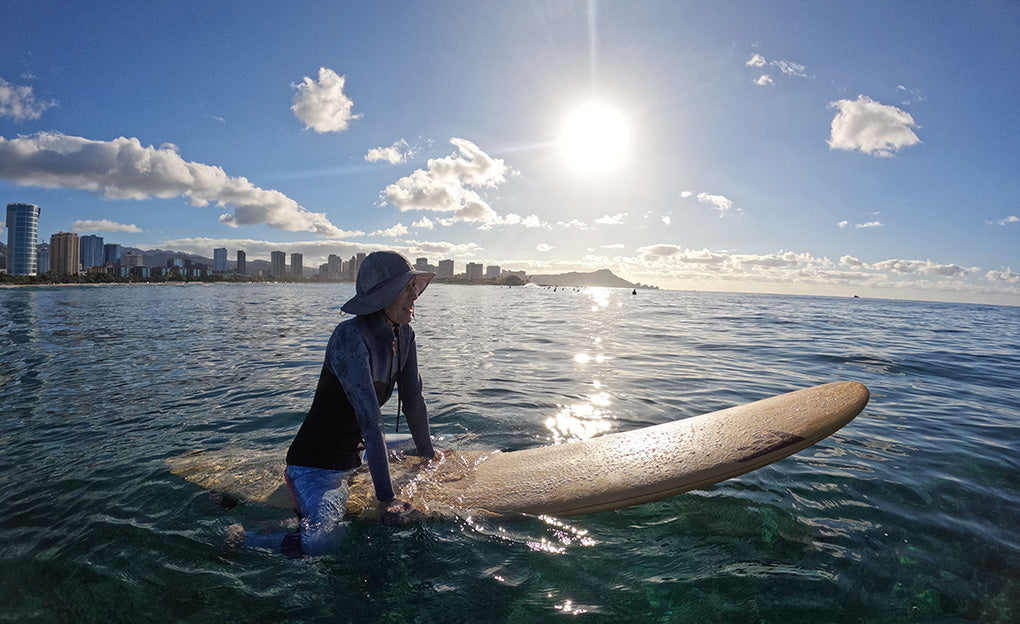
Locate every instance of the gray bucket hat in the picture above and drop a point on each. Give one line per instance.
(381, 277)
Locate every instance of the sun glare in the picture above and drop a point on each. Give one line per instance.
(594, 138)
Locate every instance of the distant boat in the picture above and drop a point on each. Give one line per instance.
(857, 297)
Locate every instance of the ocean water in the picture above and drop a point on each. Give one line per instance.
(911, 513)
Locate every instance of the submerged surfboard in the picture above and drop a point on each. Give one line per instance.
(599, 474)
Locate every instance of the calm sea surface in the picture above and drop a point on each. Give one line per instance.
(911, 513)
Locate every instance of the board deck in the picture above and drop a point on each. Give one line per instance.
(599, 474)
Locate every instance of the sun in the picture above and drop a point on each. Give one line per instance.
(595, 138)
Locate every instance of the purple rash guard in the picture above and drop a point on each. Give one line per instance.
(357, 377)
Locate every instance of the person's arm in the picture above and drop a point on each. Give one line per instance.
(347, 355)
(409, 386)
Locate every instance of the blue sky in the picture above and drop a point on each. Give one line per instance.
(798, 147)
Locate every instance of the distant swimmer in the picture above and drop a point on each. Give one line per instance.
(635, 292)
(365, 356)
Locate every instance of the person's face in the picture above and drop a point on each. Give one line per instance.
(401, 309)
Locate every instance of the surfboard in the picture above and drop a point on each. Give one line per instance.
(609, 472)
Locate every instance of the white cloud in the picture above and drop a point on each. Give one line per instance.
(322, 106)
(613, 246)
(543, 247)
(756, 60)
(532, 221)
(923, 266)
(873, 128)
(720, 203)
(397, 230)
(686, 194)
(18, 102)
(843, 224)
(790, 68)
(124, 169)
(103, 225)
(1008, 220)
(442, 187)
(1006, 275)
(612, 220)
(666, 220)
(851, 262)
(870, 224)
(764, 80)
(397, 153)
(659, 250)
(572, 224)
(424, 223)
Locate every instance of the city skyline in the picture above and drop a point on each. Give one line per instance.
(803, 148)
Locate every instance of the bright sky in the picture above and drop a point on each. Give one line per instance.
(833, 148)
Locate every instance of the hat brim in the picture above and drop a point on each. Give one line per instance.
(377, 300)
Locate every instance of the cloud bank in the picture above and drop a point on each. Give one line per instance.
(321, 105)
(125, 169)
(103, 225)
(873, 128)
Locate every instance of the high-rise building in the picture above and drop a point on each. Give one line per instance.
(132, 259)
(445, 270)
(242, 262)
(297, 265)
(22, 232)
(334, 265)
(474, 271)
(64, 253)
(219, 263)
(42, 258)
(492, 271)
(277, 264)
(111, 254)
(91, 247)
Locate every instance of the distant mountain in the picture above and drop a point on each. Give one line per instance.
(603, 278)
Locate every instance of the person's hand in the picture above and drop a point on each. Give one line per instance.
(396, 512)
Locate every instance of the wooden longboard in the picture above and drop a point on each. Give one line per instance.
(599, 474)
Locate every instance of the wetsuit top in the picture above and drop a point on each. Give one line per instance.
(364, 357)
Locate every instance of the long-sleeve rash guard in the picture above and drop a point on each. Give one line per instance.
(364, 357)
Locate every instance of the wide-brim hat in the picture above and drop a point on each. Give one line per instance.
(381, 277)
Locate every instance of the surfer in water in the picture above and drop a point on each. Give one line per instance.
(365, 356)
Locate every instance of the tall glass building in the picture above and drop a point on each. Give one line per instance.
(91, 248)
(22, 235)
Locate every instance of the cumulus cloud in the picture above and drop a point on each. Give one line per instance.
(543, 247)
(719, 202)
(424, 223)
(322, 105)
(103, 225)
(443, 185)
(666, 220)
(1006, 275)
(19, 103)
(873, 128)
(870, 224)
(756, 60)
(764, 80)
(843, 224)
(1008, 220)
(125, 169)
(397, 230)
(616, 219)
(397, 153)
(572, 224)
(922, 266)
(851, 262)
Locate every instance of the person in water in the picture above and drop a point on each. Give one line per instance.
(365, 356)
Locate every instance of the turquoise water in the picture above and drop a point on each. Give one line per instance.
(909, 514)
